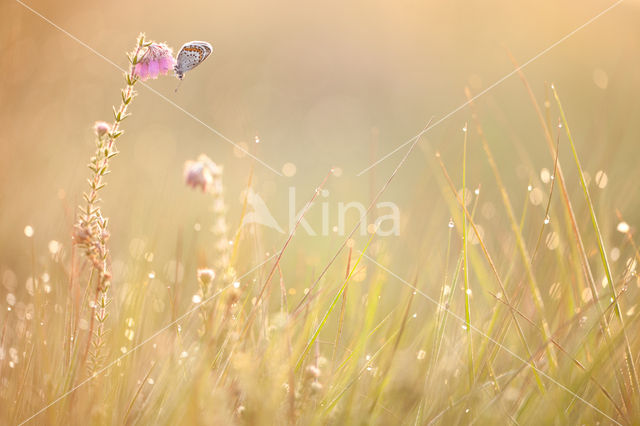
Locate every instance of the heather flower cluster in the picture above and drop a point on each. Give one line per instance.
(156, 60)
(203, 174)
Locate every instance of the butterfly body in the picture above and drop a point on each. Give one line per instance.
(190, 56)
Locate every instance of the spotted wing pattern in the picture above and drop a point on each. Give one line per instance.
(190, 56)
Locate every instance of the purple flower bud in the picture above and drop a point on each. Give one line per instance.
(101, 128)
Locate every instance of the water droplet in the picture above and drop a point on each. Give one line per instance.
(623, 227)
(469, 292)
(152, 275)
(196, 299)
(477, 191)
(54, 246)
(552, 241)
(536, 196)
(257, 139)
(150, 381)
(464, 129)
(28, 231)
(601, 179)
(451, 224)
(184, 354)
(422, 354)
(289, 169)
(529, 188)
(547, 220)
(415, 315)
(545, 175)
(615, 254)
(129, 333)
(236, 284)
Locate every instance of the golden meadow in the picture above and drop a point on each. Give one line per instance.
(482, 273)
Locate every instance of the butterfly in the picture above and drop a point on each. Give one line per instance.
(190, 56)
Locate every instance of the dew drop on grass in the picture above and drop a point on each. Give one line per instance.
(552, 240)
(547, 220)
(536, 196)
(615, 254)
(586, 295)
(152, 275)
(623, 227)
(545, 175)
(529, 188)
(129, 333)
(28, 231)
(54, 247)
(123, 349)
(184, 354)
(196, 299)
(150, 381)
(257, 139)
(601, 179)
(83, 324)
(289, 169)
(130, 322)
(421, 354)
(451, 224)
(236, 284)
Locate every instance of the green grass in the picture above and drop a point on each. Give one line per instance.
(404, 347)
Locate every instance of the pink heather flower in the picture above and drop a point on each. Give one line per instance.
(156, 60)
(202, 174)
(196, 175)
(205, 275)
(101, 128)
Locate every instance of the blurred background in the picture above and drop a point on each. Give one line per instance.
(337, 85)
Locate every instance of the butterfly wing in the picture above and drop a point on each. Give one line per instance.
(191, 55)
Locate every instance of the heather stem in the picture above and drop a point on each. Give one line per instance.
(91, 232)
